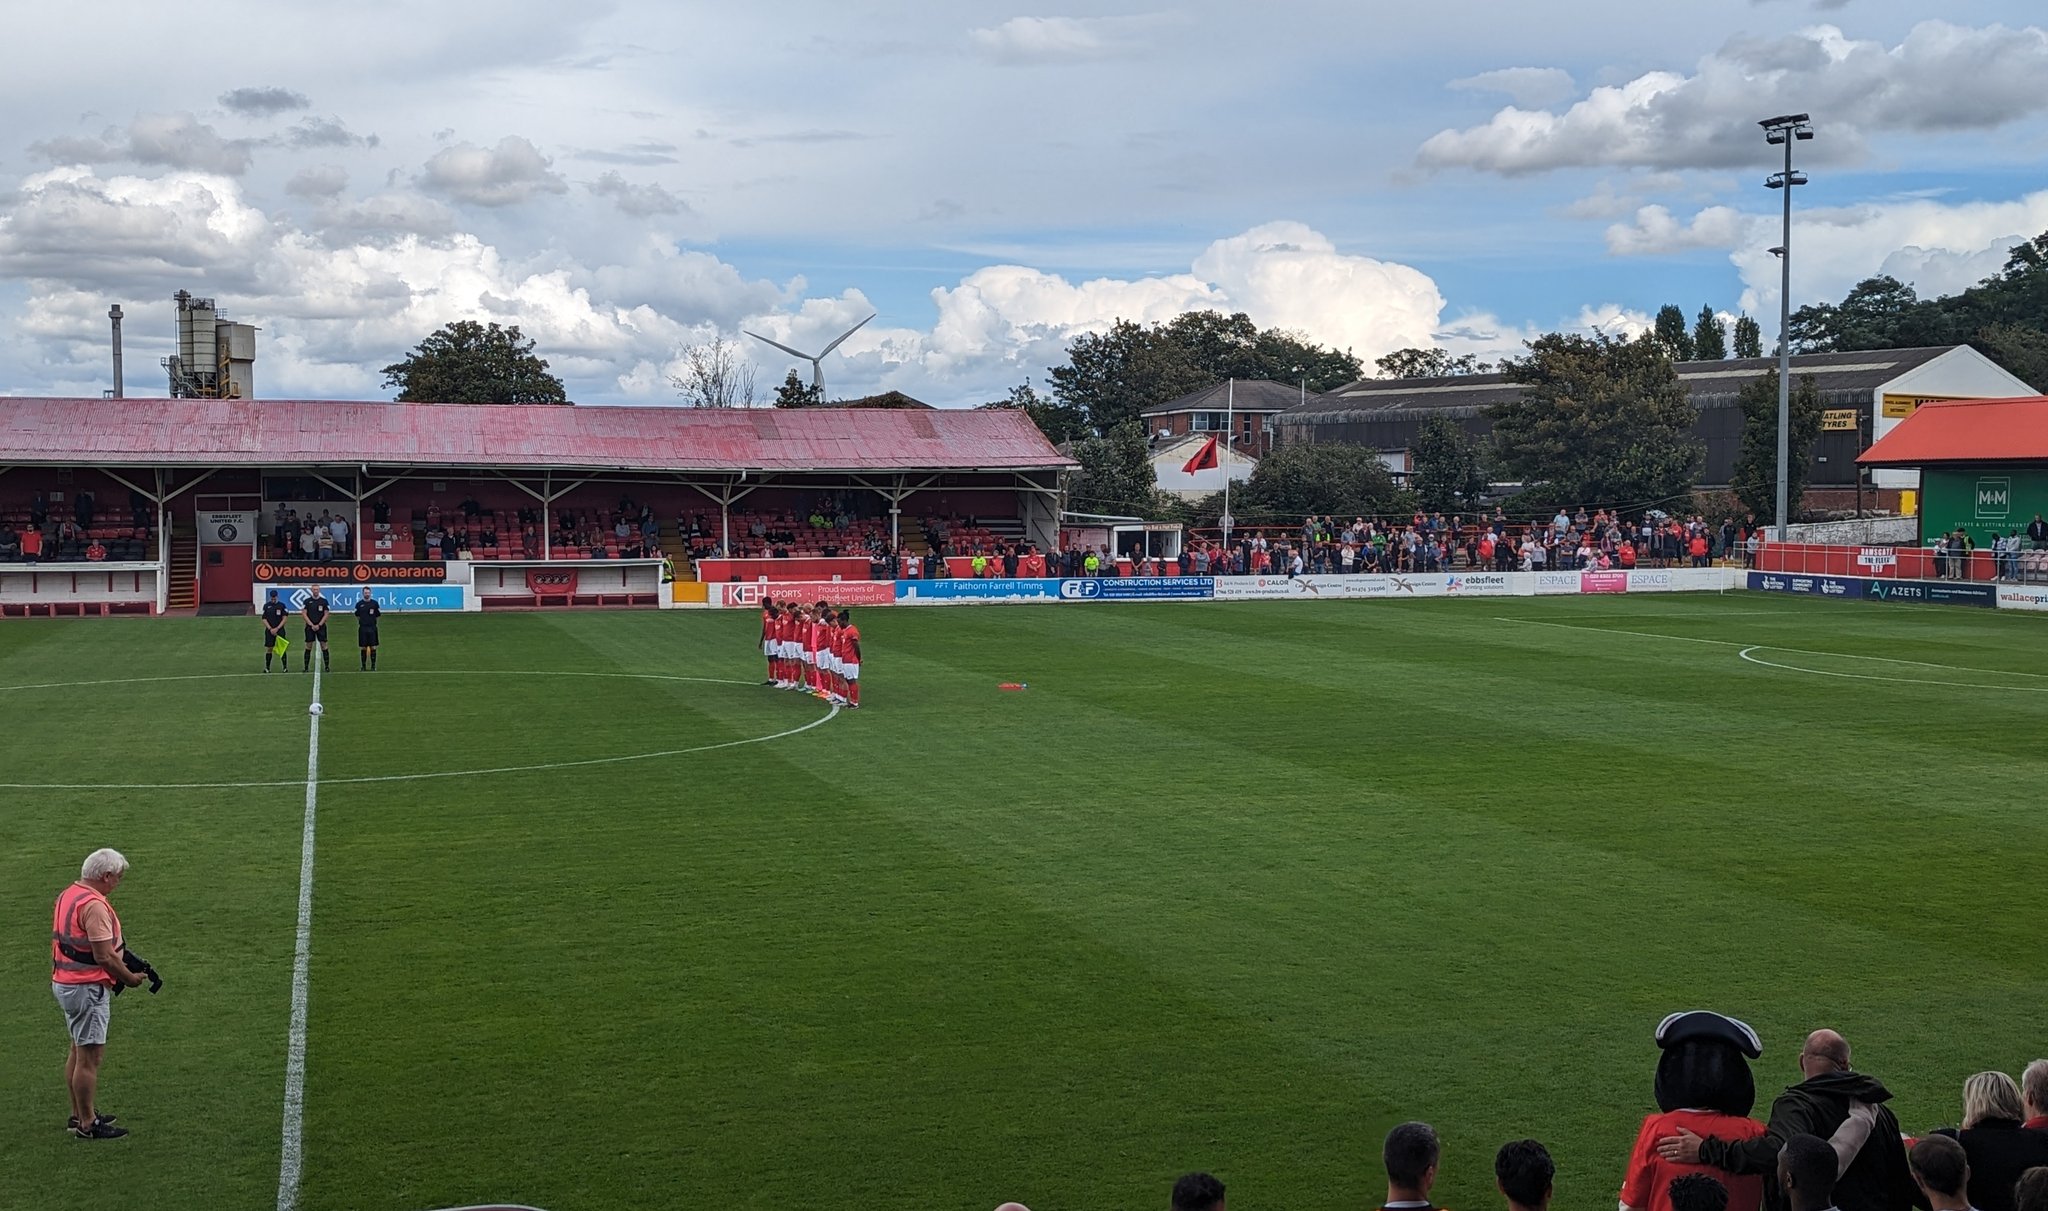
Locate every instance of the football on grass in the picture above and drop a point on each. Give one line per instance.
(313, 709)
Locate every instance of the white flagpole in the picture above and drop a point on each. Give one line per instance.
(1229, 427)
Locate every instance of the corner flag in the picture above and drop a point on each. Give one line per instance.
(1204, 460)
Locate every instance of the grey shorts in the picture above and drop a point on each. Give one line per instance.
(86, 1008)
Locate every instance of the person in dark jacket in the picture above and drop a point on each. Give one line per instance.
(1998, 1148)
(1877, 1178)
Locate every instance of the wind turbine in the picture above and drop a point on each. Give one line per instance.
(817, 367)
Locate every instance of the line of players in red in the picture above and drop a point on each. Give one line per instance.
(812, 649)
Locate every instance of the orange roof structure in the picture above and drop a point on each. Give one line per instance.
(1966, 431)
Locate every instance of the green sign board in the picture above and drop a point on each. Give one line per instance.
(1983, 502)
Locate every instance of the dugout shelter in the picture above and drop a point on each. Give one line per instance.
(181, 494)
(1982, 465)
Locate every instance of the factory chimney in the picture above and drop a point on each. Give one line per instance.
(114, 314)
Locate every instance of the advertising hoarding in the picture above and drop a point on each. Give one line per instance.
(341, 598)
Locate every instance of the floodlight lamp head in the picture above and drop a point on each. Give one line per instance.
(1802, 134)
(1775, 137)
(1785, 120)
(1778, 251)
(1775, 183)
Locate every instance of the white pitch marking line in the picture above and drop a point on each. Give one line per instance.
(292, 1154)
(1965, 685)
(827, 717)
(1766, 647)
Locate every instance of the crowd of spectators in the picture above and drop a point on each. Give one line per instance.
(51, 529)
(1831, 1144)
(1432, 542)
(322, 539)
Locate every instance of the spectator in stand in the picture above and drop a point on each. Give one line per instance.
(2034, 1095)
(38, 509)
(1697, 1192)
(96, 552)
(1995, 1140)
(2037, 533)
(32, 544)
(2030, 1193)
(1750, 547)
(10, 543)
(323, 544)
(1524, 1174)
(1198, 1192)
(1875, 1177)
(339, 528)
(82, 507)
(1807, 1169)
(433, 513)
(1943, 1173)
(470, 507)
(1698, 547)
(1410, 1154)
(380, 511)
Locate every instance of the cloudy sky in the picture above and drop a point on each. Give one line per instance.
(623, 178)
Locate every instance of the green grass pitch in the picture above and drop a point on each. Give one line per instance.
(1229, 887)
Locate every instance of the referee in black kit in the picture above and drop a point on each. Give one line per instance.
(367, 613)
(315, 614)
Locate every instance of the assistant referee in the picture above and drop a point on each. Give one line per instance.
(367, 614)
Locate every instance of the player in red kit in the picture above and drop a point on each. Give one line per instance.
(849, 657)
(814, 643)
(768, 639)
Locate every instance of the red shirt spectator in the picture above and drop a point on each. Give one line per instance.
(96, 552)
(32, 543)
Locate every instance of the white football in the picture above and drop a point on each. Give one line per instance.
(313, 709)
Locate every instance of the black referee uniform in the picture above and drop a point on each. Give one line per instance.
(315, 612)
(274, 615)
(367, 613)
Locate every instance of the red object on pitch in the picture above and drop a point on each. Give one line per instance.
(1204, 460)
(1013, 685)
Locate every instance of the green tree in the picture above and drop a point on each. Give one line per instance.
(1671, 332)
(1709, 337)
(1449, 475)
(471, 363)
(1877, 313)
(796, 393)
(1429, 363)
(1109, 377)
(1302, 478)
(1116, 474)
(1603, 421)
(2023, 351)
(1749, 338)
(1755, 477)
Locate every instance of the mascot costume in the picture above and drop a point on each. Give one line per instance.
(1703, 1086)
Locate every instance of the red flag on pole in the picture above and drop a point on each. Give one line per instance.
(1204, 460)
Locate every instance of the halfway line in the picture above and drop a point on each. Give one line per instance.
(293, 1154)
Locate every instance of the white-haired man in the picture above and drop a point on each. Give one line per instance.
(85, 965)
(2034, 1093)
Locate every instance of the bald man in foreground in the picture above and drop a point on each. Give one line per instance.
(1874, 1177)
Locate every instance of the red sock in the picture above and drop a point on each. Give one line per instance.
(853, 692)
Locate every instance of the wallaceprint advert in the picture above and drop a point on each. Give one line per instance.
(1139, 588)
(947, 592)
(832, 592)
(2022, 597)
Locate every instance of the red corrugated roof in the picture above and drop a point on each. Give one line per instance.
(1966, 431)
(271, 432)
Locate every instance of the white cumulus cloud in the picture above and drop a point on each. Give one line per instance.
(1530, 87)
(505, 175)
(1940, 77)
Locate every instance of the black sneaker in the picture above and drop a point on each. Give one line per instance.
(100, 1130)
(72, 1120)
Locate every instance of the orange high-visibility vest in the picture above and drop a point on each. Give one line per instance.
(67, 934)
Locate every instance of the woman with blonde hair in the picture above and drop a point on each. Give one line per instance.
(1998, 1147)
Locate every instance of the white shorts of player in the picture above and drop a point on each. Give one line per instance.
(768, 647)
(785, 649)
(850, 671)
(828, 662)
(804, 654)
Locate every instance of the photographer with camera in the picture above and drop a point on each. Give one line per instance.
(88, 964)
